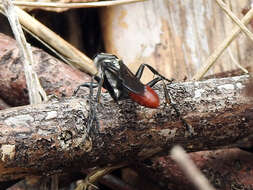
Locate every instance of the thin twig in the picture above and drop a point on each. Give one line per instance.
(97, 174)
(74, 5)
(187, 165)
(236, 63)
(241, 25)
(234, 18)
(219, 50)
(36, 92)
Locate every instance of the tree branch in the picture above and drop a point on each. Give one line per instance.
(51, 137)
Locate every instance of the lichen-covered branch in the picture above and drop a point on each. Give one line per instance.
(52, 137)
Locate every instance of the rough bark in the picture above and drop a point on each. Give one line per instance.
(51, 137)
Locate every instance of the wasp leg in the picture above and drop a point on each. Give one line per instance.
(154, 81)
(87, 85)
(169, 101)
(140, 70)
(100, 84)
(92, 111)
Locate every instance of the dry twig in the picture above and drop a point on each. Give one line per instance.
(226, 9)
(36, 92)
(74, 5)
(187, 165)
(219, 50)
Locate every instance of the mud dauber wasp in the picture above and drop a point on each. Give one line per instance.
(121, 83)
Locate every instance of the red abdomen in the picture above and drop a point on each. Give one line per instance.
(149, 99)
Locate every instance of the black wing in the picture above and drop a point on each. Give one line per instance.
(128, 79)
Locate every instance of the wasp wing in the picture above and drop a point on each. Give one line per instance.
(120, 77)
(128, 79)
